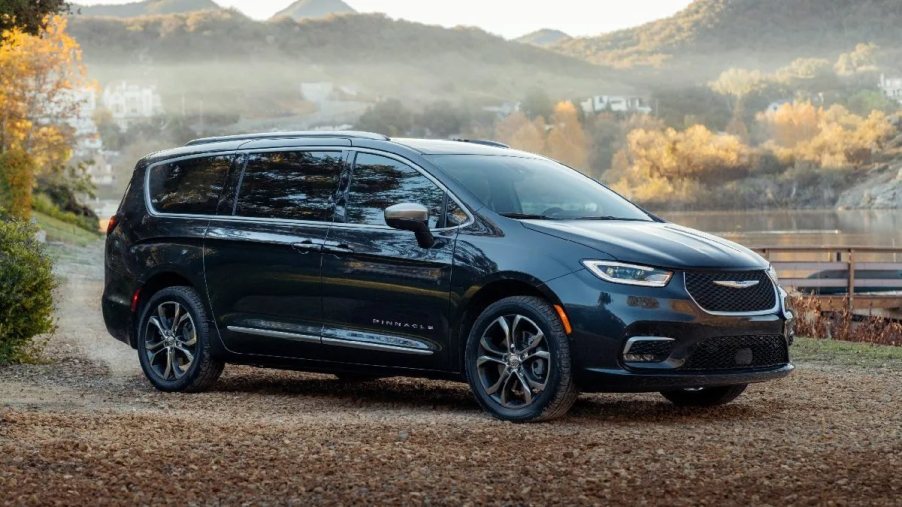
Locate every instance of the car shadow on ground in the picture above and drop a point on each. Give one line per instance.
(407, 394)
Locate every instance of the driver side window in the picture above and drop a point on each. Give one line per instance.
(378, 182)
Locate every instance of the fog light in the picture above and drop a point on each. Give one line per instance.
(647, 349)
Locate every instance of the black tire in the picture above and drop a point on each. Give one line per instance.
(705, 397)
(558, 391)
(203, 370)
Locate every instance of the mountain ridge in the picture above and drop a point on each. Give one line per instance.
(544, 38)
(755, 30)
(146, 8)
(314, 9)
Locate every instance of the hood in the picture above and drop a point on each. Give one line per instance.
(652, 243)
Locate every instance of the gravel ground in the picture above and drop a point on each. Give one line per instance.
(86, 428)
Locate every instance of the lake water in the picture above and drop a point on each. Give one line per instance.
(798, 227)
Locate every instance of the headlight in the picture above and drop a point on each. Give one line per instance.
(629, 274)
(772, 273)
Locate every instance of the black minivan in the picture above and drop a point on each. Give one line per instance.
(355, 254)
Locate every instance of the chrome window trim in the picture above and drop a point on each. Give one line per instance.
(739, 314)
(306, 338)
(287, 221)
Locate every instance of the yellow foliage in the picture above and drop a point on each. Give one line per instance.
(831, 138)
(567, 141)
(37, 74)
(668, 164)
(518, 131)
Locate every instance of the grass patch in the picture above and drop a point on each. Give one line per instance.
(64, 232)
(841, 353)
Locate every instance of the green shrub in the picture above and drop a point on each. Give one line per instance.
(42, 203)
(26, 291)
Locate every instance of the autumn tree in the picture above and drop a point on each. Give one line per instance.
(28, 16)
(658, 165)
(828, 138)
(38, 75)
(567, 141)
(518, 131)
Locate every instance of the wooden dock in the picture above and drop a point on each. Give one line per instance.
(862, 279)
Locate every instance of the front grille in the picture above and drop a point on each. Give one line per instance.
(717, 298)
(738, 352)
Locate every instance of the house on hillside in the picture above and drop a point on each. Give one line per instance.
(130, 103)
(891, 87)
(616, 104)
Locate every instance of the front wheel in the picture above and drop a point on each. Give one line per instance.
(174, 342)
(704, 396)
(518, 361)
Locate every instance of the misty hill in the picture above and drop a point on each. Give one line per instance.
(312, 9)
(222, 61)
(746, 32)
(544, 38)
(146, 8)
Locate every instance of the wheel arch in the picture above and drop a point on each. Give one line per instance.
(159, 280)
(478, 298)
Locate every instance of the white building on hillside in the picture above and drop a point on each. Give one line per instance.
(616, 104)
(892, 87)
(129, 103)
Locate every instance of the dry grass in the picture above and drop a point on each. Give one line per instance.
(817, 322)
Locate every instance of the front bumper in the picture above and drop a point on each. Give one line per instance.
(604, 316)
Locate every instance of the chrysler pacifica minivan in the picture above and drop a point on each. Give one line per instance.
(363, 256)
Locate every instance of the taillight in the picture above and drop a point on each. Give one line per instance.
(111, 225)
(136, 298)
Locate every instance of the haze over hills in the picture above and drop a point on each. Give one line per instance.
(222, 61)
(544, 38)
(312, 9)
(146, 8)
(746, 32)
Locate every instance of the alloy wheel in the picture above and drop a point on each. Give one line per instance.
(514, 362)
(170, 341)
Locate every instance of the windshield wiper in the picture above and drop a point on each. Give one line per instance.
(525, 216)
(612, 218)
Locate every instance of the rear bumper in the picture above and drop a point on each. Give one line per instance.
(623, 381)
(117, 316)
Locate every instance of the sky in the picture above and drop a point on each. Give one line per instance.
(509, 18)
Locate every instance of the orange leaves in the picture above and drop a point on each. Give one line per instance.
(828, 138)
(563, 138)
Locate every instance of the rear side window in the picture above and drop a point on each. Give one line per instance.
(379, 182)
(295, 185)
(189, 186)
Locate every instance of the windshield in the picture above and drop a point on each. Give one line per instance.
(535, 188)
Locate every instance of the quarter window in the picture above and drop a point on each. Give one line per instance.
(292, 185)
(188, 186)
(379, 182)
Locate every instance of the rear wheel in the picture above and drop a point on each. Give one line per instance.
(518, 361)
(174, 342)
(704, 396)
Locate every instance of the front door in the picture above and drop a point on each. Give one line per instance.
(385, 298)
(263, 261)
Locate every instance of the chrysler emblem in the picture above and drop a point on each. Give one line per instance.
(733, 284)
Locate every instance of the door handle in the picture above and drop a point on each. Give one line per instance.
(338, 248)
(306, 246)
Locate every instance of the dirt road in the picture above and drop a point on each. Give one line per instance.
(87, 428)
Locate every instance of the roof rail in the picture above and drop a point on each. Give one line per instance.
(484, 142)
(347, 134)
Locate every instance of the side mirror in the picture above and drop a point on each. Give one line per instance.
(411, 217)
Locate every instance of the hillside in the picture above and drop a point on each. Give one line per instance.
(214, 60)
(762, 33)
(313, 9)
(146, 8)
(544, 38)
